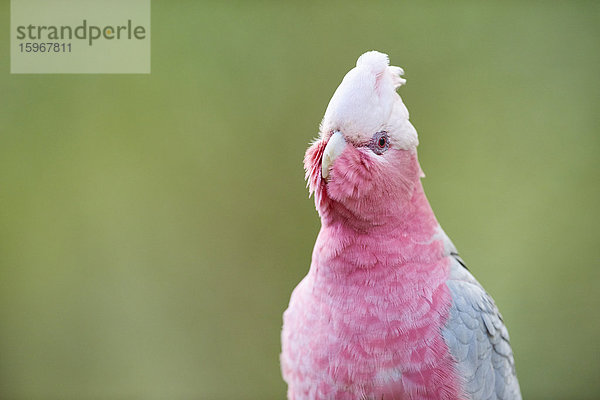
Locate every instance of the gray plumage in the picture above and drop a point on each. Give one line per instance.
(477, 337)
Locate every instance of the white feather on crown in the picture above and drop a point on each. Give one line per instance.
(366, 102)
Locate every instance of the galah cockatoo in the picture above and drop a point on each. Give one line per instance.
(388, 309)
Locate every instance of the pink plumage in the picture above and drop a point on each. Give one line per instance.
(371, 320)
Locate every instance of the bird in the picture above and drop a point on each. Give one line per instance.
(388, 310)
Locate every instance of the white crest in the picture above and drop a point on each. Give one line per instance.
(366, 102)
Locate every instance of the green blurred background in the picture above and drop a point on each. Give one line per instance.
(152, 227)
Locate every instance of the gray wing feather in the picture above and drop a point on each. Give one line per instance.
(477, 337)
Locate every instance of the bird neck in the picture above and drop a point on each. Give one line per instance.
(410, 235)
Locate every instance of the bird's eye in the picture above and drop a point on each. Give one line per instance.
(380, 142)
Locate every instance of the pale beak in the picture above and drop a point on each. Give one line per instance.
(334, 148)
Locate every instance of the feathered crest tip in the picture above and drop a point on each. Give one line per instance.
(379, 63)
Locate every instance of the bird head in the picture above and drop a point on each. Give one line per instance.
(363, 166)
